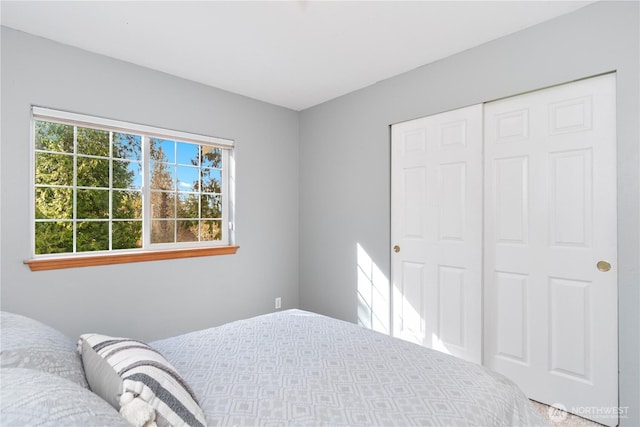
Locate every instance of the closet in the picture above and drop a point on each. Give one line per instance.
(504, 236)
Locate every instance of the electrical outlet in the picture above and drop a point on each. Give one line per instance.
(278, 303)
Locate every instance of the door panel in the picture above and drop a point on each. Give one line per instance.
(437, 224)
(569, 313)
(550, 213)
(451, 214)
(410, 308)
(451, 282)
(512, 331)
(511, 207)
(413, 203)
(571, 198)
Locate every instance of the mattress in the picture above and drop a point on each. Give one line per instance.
(299, 368)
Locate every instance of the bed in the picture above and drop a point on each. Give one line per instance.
(286, 368)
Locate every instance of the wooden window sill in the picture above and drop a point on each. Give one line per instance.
(40, 264)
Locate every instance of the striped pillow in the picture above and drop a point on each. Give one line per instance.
(138, 381)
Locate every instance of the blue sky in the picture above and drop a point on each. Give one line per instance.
(184, 155)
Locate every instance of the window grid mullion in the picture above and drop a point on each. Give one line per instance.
(199, 194)
(110, 227)
(146, 192)
(224, 187)
(74, 218)
(175, 192)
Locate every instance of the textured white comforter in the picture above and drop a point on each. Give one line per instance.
(299, 368)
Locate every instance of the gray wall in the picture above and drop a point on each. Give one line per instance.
(152, 299)
(345, 156)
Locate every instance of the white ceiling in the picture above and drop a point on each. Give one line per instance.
(290, 53)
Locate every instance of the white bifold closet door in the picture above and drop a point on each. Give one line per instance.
(504, 234)
(436, 228)
(550, 258)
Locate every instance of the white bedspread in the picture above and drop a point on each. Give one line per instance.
(298, 368)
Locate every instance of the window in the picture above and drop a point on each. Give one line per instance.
(102, 186)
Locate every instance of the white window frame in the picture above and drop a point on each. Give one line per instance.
(145, 132)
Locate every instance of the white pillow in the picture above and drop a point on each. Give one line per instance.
(35, 398)
(27, 343)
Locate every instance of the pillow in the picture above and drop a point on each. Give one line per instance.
(27, 343)
(138, 381)
(30, 397)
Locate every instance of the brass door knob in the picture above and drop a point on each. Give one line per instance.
(603, 266)
(396, 249)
